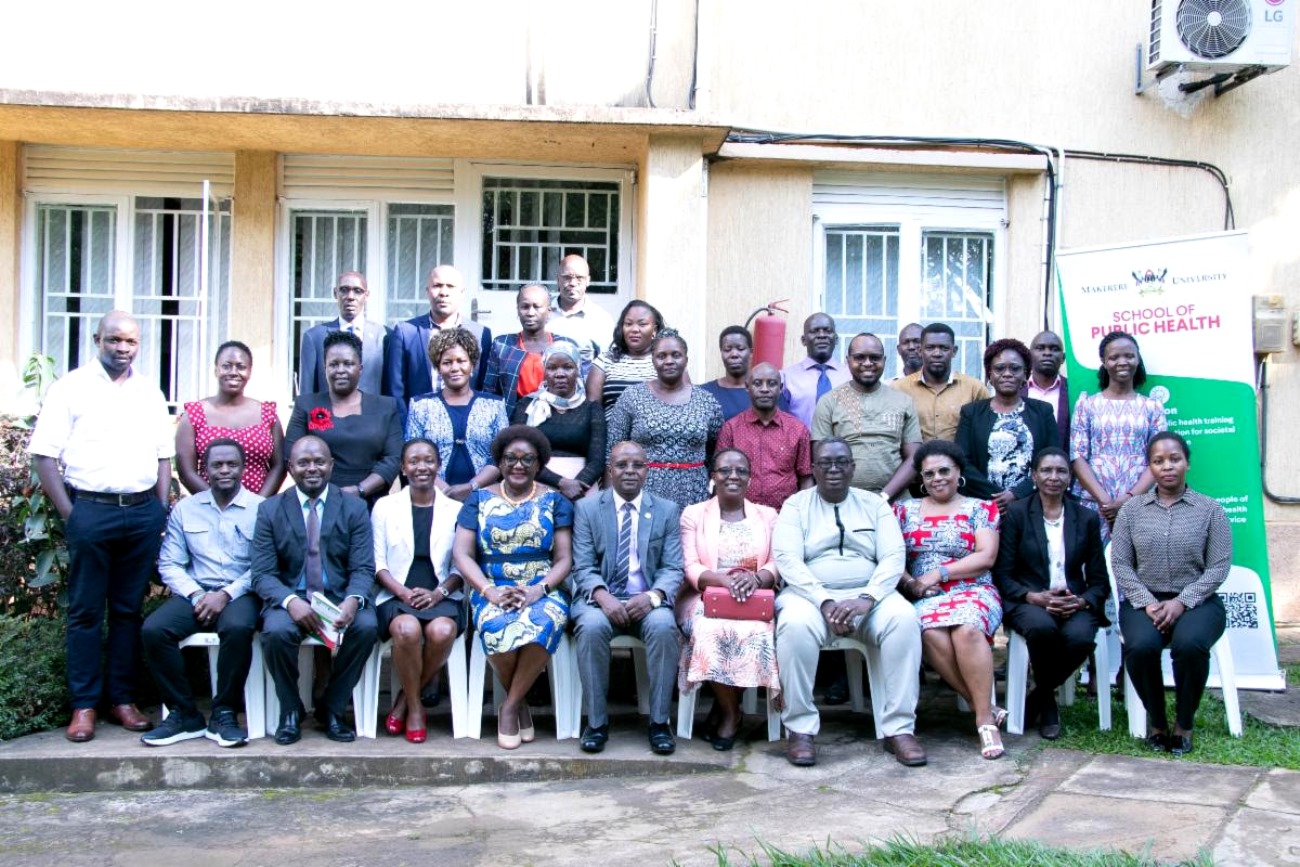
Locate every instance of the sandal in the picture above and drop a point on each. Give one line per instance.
(999, 716)
(990, 742)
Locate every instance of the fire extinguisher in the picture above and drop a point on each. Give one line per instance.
(769, 333)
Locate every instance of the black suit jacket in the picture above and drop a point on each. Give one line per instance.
(280, 547)
(973, 430)
(1062, 411)
(406, 367)
(311, 357)
(1022, 565)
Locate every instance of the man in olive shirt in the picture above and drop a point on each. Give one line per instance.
(878, 423)
(938, 393)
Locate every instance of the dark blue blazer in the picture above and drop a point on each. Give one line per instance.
(280, 547)
(406, 365)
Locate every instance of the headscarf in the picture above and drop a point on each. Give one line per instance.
(543, 401)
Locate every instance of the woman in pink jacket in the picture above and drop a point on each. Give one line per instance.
(726, 542)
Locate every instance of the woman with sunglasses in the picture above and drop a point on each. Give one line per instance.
(952, 543)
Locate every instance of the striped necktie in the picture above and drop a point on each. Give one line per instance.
(623, 563)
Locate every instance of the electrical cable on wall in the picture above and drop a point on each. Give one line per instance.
(1280, 499)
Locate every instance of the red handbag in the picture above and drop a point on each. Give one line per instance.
(720, 605)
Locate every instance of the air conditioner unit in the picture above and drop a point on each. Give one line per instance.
(1221, 35)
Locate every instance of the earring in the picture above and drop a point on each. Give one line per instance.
(961, 481)
(922, 489)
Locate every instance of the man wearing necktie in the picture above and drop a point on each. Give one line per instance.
(841, 554)
(627, 566)
(351, 293)
(811, 377)
(313, 539)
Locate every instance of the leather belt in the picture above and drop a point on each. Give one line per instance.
(122, 500)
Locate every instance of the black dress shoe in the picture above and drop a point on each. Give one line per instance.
(1179, 745)
(290, 730)
(338, 730)
(1049, 719)
(1158, 741)
(594, 738)
(661, 739)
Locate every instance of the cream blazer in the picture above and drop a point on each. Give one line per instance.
(395, 538)
(701, 525)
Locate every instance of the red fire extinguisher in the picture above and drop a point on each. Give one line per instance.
(769, 333)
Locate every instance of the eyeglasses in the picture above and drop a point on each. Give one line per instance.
(938, 472)
(834, 463)
(731, 471)
(1008, 368)
(522, 460)
(629, 465)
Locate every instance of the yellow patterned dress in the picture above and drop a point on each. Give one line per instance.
(514, 549)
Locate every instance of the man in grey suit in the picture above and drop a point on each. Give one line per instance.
(313, 538)
(351, 292)
(627, 566)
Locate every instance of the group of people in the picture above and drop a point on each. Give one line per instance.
(570, 479)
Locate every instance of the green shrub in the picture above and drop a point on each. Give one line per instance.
(33, 682)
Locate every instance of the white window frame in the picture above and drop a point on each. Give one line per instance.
(30, 308)
(912, 223)
(501, 317)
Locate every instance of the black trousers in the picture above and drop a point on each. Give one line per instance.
(1057, 646)
(173, 623)
(280, 640)
(1189, 644)
(112, 555)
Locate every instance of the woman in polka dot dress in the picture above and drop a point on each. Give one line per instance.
(228, 413)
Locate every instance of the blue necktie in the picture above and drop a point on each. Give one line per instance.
(823, 381)
(623, 563)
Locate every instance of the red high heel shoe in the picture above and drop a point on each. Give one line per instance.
(396, 724)
(417, 736)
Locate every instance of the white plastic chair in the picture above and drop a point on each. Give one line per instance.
(856, 654)
(1018, 677)
(686, 712)
(566, 690)
(366, 714)
(1220, 659)
(457, 685)
(254, 687)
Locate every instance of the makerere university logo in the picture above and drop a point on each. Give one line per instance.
(1150, 282)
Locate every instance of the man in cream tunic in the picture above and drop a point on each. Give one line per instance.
(841, 553)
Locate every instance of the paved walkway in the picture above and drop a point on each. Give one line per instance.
(466, 803)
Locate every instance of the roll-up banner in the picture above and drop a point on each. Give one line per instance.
(1187, 302)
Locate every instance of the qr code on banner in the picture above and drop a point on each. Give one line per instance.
(1242, 609)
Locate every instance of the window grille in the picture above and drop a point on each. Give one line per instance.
(861, 284)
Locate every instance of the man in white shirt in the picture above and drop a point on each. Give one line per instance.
(109, 429)
(351, 292)
(577, 317)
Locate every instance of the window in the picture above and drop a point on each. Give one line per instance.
(419, 239)
(86, 263)
(325, 244)
(894, 249)
(529, 224)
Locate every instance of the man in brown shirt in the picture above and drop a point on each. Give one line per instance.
(938, 392)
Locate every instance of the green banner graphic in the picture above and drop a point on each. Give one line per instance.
(1187, 302)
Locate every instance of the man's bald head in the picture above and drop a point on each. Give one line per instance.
(117, 337)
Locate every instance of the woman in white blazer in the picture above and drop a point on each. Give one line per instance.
(420, 604)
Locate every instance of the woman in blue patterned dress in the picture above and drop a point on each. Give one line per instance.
(458, 420)
(513, 549)
(1110, 431)
(675, 422)
(952, 543)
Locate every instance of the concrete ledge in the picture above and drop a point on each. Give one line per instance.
(116, 761)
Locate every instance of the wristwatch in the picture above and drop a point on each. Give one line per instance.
(868, 597)
(656, 599)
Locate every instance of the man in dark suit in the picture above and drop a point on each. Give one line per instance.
(1053, 593)
(407, 369)
(1045, 382)
(627, 566)
(351, 293)
(313, 538)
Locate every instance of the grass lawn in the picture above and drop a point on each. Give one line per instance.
(958, 852)
(1262, 746)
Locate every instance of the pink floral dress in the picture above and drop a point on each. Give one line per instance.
(739, 653)
(939, 540)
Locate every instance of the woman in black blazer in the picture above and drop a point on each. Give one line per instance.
(363, 431)
(1001, 435)
(1051, 574)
